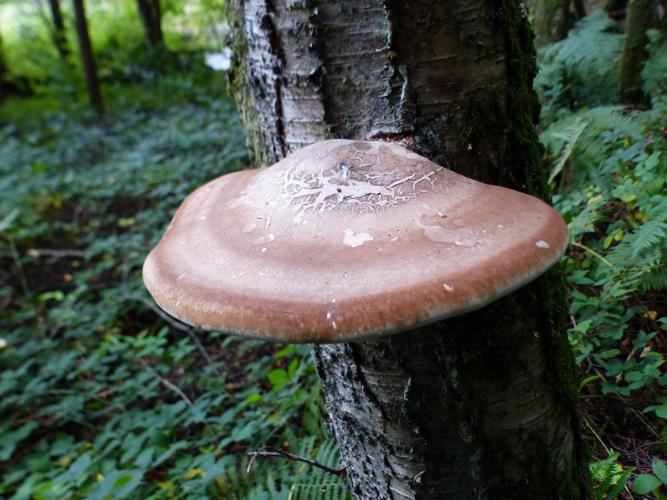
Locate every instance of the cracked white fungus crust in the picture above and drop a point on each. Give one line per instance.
(344, 241)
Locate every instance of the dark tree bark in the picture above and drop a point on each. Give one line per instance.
(551, 21)
(59, 37)
(482, 406)
(87, 58)
(151, 16)
(634, 51)
(4, 85)
(579, 8)
(616, 8)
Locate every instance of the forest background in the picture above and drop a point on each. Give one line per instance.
(104, 396)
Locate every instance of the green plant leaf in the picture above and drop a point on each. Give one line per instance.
(645, 483)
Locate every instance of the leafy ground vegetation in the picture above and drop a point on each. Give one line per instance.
(609, 174)
(102, 396)
(101, 393)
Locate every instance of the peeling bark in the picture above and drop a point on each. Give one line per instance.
(483, 406)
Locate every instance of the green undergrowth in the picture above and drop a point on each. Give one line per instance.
(100, 397)
(609, 175)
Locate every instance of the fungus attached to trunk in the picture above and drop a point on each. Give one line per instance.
(346, 241)
(343, 243)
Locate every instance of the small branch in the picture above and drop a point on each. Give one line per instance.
(56, 253)
(592, 252)
(179, 326)
(273, 452)
(167, 383)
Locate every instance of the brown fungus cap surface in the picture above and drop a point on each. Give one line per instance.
(344, 241)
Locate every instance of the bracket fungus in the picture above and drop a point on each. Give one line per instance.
(345, 241)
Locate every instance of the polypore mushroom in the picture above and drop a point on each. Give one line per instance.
(345, 241)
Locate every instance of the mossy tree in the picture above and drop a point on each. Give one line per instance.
(481, 406)
(551, 21)
(634, 51)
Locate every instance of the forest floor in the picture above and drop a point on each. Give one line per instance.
(103, 396)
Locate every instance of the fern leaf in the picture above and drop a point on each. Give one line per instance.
(648, 235)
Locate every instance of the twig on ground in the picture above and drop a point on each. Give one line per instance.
(56, 253)
(167, 383)
(274, 452)
(179, 326)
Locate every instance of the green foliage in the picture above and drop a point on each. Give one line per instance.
(305, 481)
(582, 69)
(118, 40)
(655, 483)
(317, 484)
(609, 477)
(609, 175)
(655, 69)
(99, 397)
(611, 184)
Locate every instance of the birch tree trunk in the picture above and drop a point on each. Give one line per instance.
(481, 406)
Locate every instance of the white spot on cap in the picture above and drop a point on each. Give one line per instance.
(263, 249)
(264, 239)
(541, 244)
(448, 287)
(333, 323)
(353, 239)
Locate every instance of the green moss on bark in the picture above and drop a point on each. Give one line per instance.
(634, 52)
(502, 127)
(551, 21)
(241, 89)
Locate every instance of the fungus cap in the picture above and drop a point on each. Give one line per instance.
(344, 241)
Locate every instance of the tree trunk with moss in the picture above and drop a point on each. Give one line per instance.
(551, 21)
(480, 406)
(634, 51)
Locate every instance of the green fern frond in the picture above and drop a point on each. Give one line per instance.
(648, 235)
(317, 484)
(582, 68)
(609, 477)
(654, 279)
